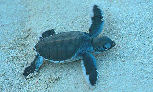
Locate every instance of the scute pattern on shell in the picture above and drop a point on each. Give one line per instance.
(60, 46)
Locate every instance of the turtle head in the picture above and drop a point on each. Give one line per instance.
(101, 44)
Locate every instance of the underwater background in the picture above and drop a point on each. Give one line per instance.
(128, 67)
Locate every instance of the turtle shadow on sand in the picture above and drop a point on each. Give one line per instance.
(72, 46)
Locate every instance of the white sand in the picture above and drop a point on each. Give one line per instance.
(126, 68)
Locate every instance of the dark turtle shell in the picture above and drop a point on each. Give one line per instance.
(60, 46)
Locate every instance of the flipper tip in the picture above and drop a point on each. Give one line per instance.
(28, 70)
(93, 77)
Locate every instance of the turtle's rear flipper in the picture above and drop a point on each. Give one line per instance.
(47, 33)
(89, 68)
(35, 65)
(97, 22)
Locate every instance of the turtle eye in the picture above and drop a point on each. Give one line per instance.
(107, 46)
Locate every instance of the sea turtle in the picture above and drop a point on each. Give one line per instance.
(73, 45)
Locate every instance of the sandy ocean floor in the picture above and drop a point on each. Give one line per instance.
(128, 67)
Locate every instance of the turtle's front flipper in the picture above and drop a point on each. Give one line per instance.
(47, 33)
(89, 66)
(97, 22)
(35, 65)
